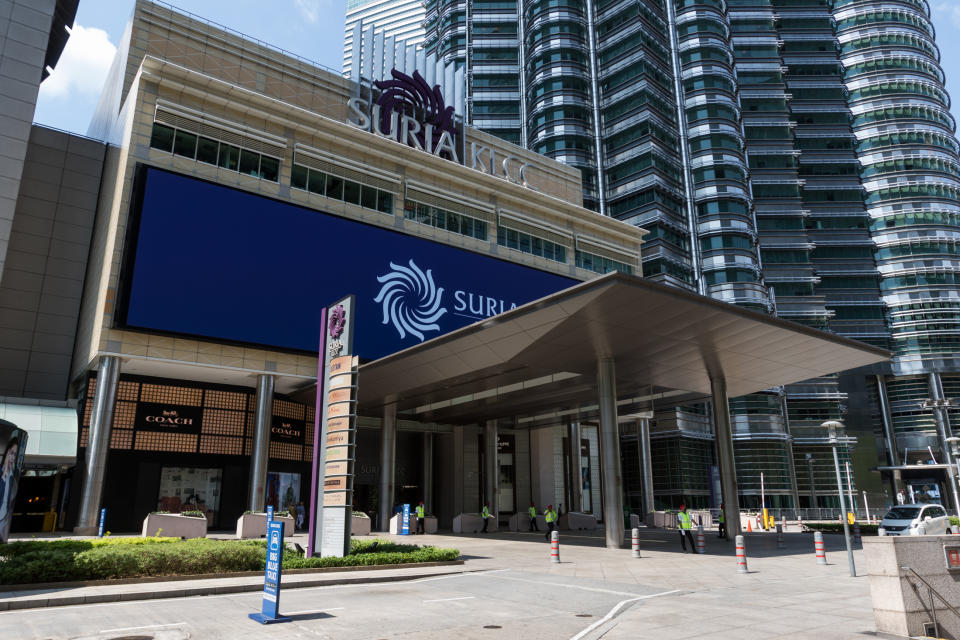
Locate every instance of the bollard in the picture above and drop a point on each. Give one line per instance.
(741, 556)
(701, 544)
(635, 544)
(818, 545)
(856, 532)
(780, 544)
(555, 547)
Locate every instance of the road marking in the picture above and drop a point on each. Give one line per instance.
(451, 599)
(541, 583)
(616, 608)
(300, 613)
(149, 626)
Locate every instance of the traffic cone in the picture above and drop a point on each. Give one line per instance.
(749, 525)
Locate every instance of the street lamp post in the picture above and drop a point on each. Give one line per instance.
(813, 489)
(954, 443)
(832, 426)
(940, 407)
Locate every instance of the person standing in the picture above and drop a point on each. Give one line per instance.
(686, 524)
(533, 517)
(550, 516)
(486, 515)
(722, 523)
(421, 513)
(301, 514)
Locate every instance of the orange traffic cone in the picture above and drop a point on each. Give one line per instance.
(749, 526)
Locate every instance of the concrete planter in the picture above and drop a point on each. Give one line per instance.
(521, 522)
(901, 602)
(254, 525)
(174, 525)
(472, 523)
(573, 520)
(359, 526)
(429, 524)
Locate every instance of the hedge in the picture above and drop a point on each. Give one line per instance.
(36, 561)
(837, 527)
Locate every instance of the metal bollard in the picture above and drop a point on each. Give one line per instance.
(818, 545)
(856, 532)
(701, 544)
(635, 544)
(741, 556)
(780, 544)
(555, 547)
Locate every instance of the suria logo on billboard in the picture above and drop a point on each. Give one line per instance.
(413, 304)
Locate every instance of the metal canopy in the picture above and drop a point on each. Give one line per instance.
(543, 356)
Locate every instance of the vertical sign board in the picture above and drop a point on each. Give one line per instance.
(952, 556)
(103, 522)
(338, 433)
(405, 523)
(269, 513)
(270, 611)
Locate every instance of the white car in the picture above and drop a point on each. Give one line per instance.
(915, 520)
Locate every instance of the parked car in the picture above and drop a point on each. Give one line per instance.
(915, 520)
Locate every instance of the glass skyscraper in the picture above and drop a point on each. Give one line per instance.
(792, 156)
(401, 20)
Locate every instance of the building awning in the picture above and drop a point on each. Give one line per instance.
(52, 432)
(667, 344)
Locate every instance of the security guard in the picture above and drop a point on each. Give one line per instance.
(686, 524)
(486, 515)
(551, 517)
(722, 523)
(533, 517)
(421, 512)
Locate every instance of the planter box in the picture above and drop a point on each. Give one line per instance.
(429, 524)
(472, 523)
(359, 526)
(573, 520)
(521, 522)
(254, 525)
(174, 525)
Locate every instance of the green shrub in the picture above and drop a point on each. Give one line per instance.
(837, 527)
(193, 514)
(36, 561)
(955, 521)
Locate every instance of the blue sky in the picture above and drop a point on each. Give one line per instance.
(310, 28)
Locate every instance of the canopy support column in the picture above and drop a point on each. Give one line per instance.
(612, 479)
(388, 465)
(728, 469)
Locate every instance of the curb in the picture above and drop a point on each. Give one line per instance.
(63, 601)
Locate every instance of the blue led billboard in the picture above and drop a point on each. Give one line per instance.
(210, 261)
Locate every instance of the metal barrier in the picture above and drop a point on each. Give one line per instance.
(555, 547)
(933, 592)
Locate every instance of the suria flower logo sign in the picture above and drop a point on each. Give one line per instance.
(410, 299)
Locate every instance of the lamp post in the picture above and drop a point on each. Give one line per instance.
(813, 489)
(832, 426)
(940, 405)
(954, 443)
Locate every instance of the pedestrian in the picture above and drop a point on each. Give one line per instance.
(421, 512)
(722, 523)
(533, 517)
(486, 515)
(550, 516)
(301, 513)
(686, 524)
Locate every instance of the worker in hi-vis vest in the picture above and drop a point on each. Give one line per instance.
(421, 513)
(722, 523)
(533, 517)
(486, 515)
(685, 523)
(551, 518)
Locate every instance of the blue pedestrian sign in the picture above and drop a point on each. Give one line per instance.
(270, 611)
(405, 525)
(103, 521)
(269, 512)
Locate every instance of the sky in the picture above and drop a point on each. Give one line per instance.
(312, 29)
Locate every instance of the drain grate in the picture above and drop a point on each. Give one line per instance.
(132, 638)
(492, 626)
(584, 615)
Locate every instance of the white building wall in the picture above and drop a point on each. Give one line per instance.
(400, 19)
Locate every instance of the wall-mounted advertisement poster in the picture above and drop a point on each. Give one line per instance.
(190, 489)
(283, 491)
(13, 445)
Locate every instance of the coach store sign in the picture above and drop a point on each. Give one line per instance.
(167, 418)
(287, 430)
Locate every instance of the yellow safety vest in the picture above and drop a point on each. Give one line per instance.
(420, 511)
(550, 515)
(684, 520)
(486, 513)
(721, 518)
(532, 511)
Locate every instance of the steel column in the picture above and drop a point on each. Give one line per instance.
(98, 444)
(574, 480)
(611, 480)
(261, 443)
(943, 431)
(646, 464)
(388, 466)
(427, 471)
(491, 470)
(728, 469)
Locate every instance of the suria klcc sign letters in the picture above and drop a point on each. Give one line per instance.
(410, 112)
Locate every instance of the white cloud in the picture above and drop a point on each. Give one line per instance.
(83, 66)
(946, 10)
(311, 9)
